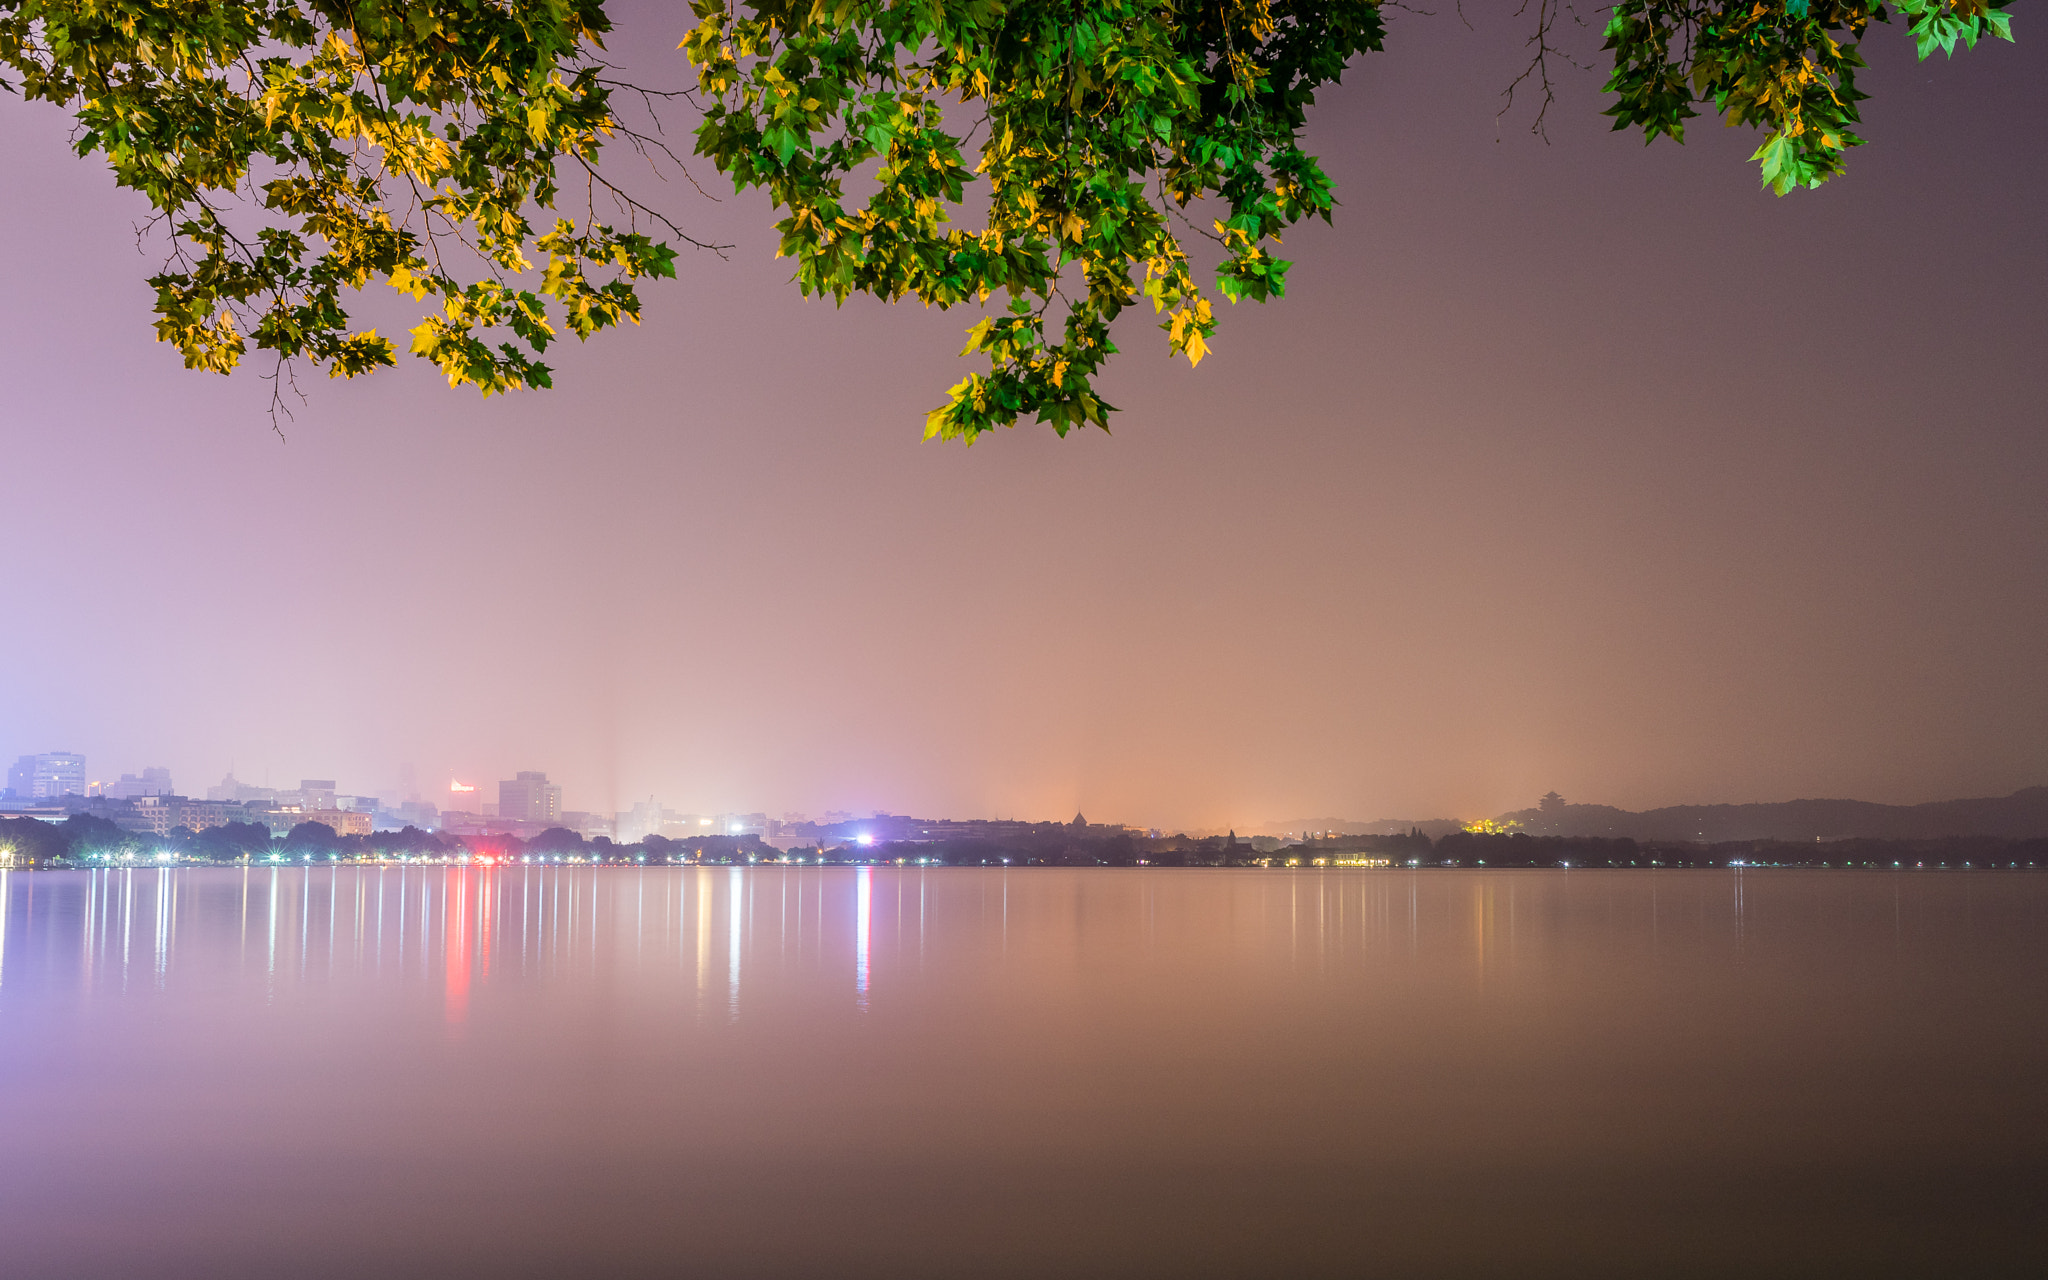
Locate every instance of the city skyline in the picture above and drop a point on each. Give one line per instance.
(530, 802)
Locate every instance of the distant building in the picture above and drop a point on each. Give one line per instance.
(1550, 803)
(152, 782)
(316, 793)
(161, 814)
(588, 825)
(145, 815)
(343, 822)
(282, 818)
(740, 824)
(685, 826)
(644, 819)
(48, 776)
(239, 792)
(530, 797)
(470, 824)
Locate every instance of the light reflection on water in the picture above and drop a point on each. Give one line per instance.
(457, 925)
(467, 927)
(934, 1072)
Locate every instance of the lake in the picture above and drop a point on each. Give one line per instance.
(734, 1072)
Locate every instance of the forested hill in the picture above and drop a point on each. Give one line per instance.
(2021, 815)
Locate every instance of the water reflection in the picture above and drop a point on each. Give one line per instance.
(470, 928)
(735, 885)
(863, 900)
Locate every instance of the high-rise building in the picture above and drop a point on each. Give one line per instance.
(49, 776)
(530, 797)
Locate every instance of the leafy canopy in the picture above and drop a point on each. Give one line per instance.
(1100, 124)
(1056, 159)
(1788, 68)
(406, 144)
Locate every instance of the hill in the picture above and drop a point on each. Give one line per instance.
(2021, 815)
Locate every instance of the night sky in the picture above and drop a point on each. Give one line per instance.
(1581, 466)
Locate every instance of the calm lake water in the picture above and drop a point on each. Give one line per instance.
(837, 1072)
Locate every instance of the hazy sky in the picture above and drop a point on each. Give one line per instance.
(1584, 466)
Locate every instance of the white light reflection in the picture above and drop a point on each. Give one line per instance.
(305, 917)
(92, 923)
(127, 920)
(703, 931)
(733, 882)
(271, 970)
(163, 921)
(862, 900)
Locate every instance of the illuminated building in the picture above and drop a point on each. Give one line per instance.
(343, 822)
(740, 824)
(282, 818)
(47, 776)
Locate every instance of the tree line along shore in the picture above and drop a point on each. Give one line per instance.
(87, 841)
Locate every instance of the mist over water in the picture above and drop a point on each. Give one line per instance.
(770, 1071)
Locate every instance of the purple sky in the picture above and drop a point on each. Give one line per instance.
(1583, 466)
